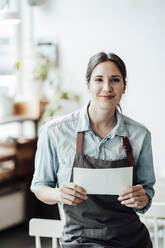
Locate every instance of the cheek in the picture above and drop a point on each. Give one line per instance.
(93, 89)
(120, 93)
(120, 90)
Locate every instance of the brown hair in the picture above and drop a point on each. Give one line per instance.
(103, 57)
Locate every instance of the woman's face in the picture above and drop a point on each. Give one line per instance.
(106, 85)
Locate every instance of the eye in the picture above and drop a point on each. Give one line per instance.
(116, 80)
(98, 80)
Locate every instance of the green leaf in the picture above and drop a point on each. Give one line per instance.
(17, 65)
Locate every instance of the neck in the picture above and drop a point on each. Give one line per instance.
(102, 120)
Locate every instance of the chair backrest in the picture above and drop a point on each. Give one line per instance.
(156, 210)
(154, 219)
(45, 228)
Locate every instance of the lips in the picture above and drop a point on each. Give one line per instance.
(108, 96)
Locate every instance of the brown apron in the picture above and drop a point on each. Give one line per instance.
(101, 220)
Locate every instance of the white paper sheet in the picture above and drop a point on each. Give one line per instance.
(109, 181)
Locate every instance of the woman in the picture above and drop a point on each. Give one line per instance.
(97, 136)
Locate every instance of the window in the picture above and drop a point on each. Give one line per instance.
(8, 55)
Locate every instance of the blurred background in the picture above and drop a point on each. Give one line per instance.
(45, 46)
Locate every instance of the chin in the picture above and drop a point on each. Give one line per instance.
(107, 106)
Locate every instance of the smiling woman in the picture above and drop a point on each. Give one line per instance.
(97, 136)
(106, 84)
(106, 73)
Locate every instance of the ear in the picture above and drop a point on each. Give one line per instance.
(124, 89)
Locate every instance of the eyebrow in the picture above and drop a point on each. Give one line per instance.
(99, 76)
(115, 75)
(111, 76)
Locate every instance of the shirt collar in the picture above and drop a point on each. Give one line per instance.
(84, 123)
(120, 128)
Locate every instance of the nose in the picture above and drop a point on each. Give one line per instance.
(107, 87)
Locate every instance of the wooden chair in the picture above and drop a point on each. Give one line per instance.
(154, 219)
(45, 228)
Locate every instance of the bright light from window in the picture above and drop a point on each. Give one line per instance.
(8, 57)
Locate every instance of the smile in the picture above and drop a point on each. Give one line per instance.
(107, 97)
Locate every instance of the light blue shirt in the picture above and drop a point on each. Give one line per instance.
(57, 147)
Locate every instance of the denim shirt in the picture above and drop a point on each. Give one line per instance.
(57, 147)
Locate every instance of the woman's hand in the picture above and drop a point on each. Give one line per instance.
(134, 197)
(71, 194)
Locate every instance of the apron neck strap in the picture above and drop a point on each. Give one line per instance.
(79, 143)
(127, 147)
(128, 150)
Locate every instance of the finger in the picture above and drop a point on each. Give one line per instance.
(71, 199)
(133, 200)
(132, 195)
(131, 189)
(68, 202)
(75, 187)
(64, 195)
(139, 205)
(74, 193)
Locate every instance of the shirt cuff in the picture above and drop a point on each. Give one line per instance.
(35, 185)
(150, 194)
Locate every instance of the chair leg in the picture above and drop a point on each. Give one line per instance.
(54, 242)
(156, 233)
(58, 243)
(164, 235)
(38, 242)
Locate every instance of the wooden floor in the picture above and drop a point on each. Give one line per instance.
(18, 237)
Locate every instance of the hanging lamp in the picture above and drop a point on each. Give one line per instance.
(8, 16)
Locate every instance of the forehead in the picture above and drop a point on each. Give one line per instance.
(106, 68)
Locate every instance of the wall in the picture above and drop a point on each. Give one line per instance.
(132, 29)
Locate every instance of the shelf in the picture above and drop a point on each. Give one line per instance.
(17, 167)
(7, 153)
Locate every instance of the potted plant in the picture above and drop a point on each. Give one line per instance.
(45, 74)
(60, 101)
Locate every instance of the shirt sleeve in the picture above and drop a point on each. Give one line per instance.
(46, 162)
(145, 170)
